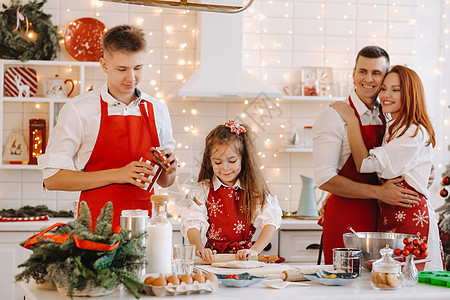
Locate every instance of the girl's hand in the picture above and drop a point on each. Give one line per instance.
(246, 254)
(206, 254)
(345, 111)
(133, 171)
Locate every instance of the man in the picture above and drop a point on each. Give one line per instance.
(353, 199)
(100, 136)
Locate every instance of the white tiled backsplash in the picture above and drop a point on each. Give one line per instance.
(280, 37)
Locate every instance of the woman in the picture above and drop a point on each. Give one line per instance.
(406, 151)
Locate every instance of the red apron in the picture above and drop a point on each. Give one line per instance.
(227, 231)
(361, 214)
(414, 220)
(121, 140)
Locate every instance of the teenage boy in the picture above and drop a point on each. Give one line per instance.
(100, 136)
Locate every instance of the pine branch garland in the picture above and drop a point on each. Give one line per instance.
(76, 268)
(14, 46)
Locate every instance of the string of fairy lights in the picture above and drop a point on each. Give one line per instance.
(444, 82)
(270, 45)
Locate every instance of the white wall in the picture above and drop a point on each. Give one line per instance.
(280, 37)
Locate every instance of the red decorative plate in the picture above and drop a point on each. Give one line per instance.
(83, 39)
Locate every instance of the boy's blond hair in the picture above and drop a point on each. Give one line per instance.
(124, 38)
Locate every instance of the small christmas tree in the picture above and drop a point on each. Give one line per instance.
(444, 215)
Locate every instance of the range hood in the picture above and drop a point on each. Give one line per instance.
(219, 53)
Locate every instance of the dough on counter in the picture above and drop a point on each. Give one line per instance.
(239, 264)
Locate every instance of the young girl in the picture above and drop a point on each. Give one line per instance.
(406, 151)
(231, 198)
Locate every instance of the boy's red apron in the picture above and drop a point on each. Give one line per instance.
(227, 231)
(361, 214)
(121, 140)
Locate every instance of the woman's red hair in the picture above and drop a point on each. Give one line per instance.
(413, 109)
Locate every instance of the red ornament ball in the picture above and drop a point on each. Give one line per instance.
(443, 193)
(446, 180)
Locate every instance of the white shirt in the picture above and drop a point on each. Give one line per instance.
(73, 138)
(331, 148)
(406, 155)
(196, 216)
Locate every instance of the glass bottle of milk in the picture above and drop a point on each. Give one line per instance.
(158, 243)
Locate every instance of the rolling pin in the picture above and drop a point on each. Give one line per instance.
(223, 257)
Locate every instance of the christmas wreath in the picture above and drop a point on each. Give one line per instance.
(26, 32)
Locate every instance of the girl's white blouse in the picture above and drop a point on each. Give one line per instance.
(195, 215)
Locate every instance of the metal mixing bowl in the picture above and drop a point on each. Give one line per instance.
(371, 242)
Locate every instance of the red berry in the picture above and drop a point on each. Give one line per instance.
(446, 180)
(424, 254)
(409, 247)
(443, 193)
(416, 242)
(416, 252)
(405, 252)
(398, 252)
(423, 247)
(406, 241)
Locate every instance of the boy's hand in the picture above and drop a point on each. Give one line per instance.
(168, 159)
(131, 172)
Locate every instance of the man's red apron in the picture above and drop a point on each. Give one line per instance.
(341, 212)
(121, 140)
(227, 231)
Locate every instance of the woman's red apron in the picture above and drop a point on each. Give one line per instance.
(121, 140)
(341, 212)
(414, 220)
(227, 231)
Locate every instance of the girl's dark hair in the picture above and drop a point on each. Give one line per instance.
(251, 178)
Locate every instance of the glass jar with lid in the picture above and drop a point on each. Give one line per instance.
(386, 272)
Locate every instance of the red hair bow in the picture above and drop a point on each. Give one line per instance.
(235, 127)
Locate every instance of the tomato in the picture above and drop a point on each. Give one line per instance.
(405, 252)
(409, 247)
(417, 242)
(423, 246)
(406, 241)
(398, 252)
(424, 254)
(232, 277)
(416, 252)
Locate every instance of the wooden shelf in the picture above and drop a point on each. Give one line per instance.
(311, 98)
(36, 99)
(50, 110)
(295, 150)
(18, 167)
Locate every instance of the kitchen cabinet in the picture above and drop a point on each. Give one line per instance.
(299, 241)
(11, 255)
(16, 111)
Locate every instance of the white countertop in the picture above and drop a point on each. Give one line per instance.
(35, 226)
(359, 289)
